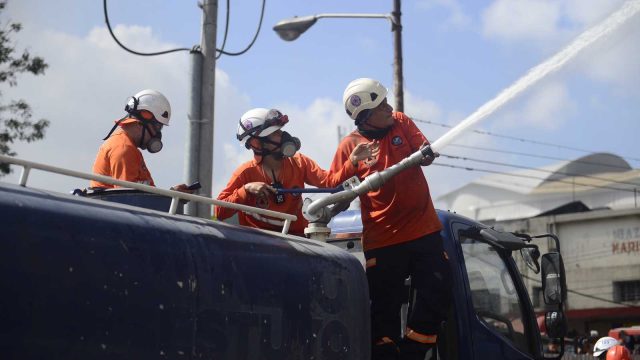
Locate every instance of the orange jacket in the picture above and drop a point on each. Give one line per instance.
(296, 171)
(120, 158)
(402, 209)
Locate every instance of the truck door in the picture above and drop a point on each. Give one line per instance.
(497, 305)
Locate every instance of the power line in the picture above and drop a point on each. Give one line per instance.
(585, 295)
(537, 169)
(509, 137)
(226, 30)
(537, 156)
(106, 19)
(529, 177)
(255, 37)
(195, 48)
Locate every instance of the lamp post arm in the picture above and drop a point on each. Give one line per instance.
(389, 17)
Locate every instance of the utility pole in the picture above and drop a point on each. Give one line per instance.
(199, 163)
(398, 90)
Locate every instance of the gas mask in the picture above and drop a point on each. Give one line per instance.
(154, 144)
(288, 146)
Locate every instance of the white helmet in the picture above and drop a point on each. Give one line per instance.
(362, 94)
(152, 101)
(603, 344)
(260, 122)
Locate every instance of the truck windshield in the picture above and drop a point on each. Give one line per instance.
(494, 295)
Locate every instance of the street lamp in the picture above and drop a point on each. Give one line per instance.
(291, 29)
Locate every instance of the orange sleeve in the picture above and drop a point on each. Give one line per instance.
(316, 176)
(341, 157)
(234, 192)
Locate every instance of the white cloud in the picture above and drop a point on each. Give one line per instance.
(421, 108)
(547, 106)
(521, 19)
(85, 89)
(615, 59)
(457, 16)
(588, 12)
(553, 24)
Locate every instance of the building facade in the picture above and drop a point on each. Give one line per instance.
(592, 205)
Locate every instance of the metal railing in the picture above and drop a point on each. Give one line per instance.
(175, 196)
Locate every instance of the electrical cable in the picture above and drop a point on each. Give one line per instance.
(226, 31)
(106, 18)
(544, 143)
(536, 156)
(195, 48)
(529, 177)
(255, 37)
(585, 295)
(537, 169)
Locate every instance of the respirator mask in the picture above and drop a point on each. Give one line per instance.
(154, 144)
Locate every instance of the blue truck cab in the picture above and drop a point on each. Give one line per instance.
(491, 316)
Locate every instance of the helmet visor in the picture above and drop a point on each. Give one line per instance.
(274, 118)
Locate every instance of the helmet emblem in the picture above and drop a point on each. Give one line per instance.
(397, 140)
(247, 124)
(355, 100)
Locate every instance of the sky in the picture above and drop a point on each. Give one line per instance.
(457, 56)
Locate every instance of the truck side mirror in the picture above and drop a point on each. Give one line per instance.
(554, 286)
(556, 324)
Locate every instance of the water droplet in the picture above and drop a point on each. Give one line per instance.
(180, 284)
(161, 307)
(70, 269)
(103, 346)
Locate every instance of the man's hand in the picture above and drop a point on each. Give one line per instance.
(428, 160)
(260, 190)
(182, 188)
(365, 151)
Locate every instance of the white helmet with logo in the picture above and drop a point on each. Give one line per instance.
(152, 101)
(362, 94)
(260, 122)
(603, 344)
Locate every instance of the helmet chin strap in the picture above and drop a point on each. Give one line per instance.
(115, 126)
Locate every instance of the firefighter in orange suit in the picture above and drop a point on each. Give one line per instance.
(401, 231)
(147, 112)
(278, 164)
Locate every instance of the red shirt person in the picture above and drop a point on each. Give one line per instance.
(401, 230)
(278, 164)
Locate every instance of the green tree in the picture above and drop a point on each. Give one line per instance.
(16, 115)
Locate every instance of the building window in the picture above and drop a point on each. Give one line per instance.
(626, 290)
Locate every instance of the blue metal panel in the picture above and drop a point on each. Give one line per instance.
(82, 278)
(472, 339)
